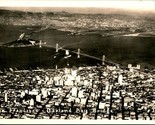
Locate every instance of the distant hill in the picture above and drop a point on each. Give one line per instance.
(78, 22)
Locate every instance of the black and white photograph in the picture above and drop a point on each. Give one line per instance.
(77, 59)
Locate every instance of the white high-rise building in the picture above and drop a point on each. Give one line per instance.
(22, 94)
(138, 66)
(74, 91)
(6, 97)
(129, 66)
(120, 79)
(38, 98)
(32, 102)
(44, 92)
(74, 73)
(80, 94)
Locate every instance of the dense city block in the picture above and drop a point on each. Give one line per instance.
(95, 92)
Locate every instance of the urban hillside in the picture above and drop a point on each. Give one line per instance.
(79, 22)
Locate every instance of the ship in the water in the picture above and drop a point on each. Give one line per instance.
(24, 42)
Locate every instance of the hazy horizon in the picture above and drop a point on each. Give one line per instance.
(78, 6)
(82, 10)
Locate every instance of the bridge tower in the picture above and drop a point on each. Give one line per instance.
(103, 59)
(78, 53)
(67, 52)
(40, 42)
(57, 47)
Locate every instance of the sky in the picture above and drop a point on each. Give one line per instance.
(133, 5)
